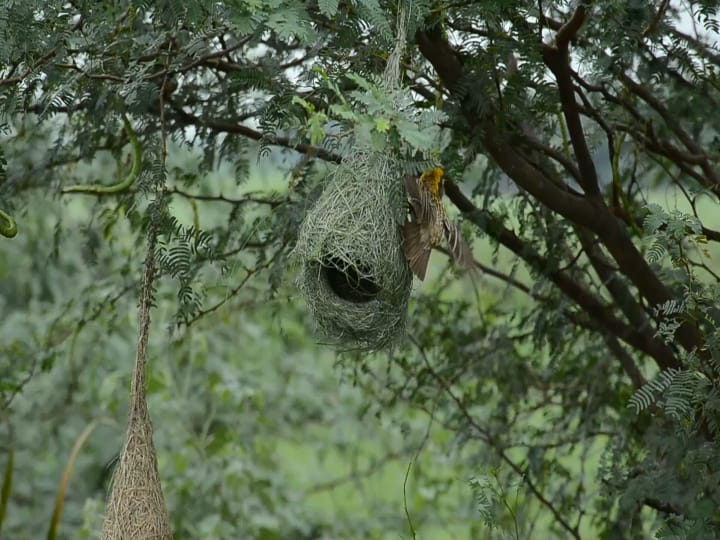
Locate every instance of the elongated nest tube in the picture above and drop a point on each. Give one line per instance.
(353, 273)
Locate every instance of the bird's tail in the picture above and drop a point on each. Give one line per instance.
(459, 249)
(417, 250)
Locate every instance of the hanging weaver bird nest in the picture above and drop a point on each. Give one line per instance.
(354, 275)
(136, 509)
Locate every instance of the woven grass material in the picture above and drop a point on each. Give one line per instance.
(136, 509)
(354, 275)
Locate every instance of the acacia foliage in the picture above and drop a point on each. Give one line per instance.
(588, 109)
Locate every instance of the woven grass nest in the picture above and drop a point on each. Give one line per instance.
(136, 509)
(354, 275)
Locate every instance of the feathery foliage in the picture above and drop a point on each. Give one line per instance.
(581, 367)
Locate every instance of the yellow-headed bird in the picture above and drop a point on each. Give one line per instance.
(429, 223)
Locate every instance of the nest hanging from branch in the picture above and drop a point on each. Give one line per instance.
(136, 508)
(354, 275)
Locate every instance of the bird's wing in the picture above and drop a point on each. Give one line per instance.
(417, 248)
(420, 200)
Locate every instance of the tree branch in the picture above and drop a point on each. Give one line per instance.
(623, 298)
(227, 126)
(28, 70)
(447, 64)
(490, 440)
(248, 198)
(671, 121)
(589, 303)
(569, 30)
(557, 58)
(581, 211)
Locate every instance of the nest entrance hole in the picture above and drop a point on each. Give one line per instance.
(350, 283)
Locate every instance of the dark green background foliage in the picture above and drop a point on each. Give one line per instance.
(569, 390)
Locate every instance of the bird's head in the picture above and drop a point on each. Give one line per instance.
(433, 179)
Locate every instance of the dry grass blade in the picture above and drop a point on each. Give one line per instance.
(65, 480)
(7, 485)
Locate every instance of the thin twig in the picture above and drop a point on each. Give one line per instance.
(656, 20)
(28, 71)
(233, 292)
(248, 198)
(229, 126)
(489, 438)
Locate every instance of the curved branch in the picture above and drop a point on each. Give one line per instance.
(231, 293)
(28, 70)
(656, 19)
(247, 198)
(501, 453)
(8, 226)
(622, 296)
(99, 189)
(448, 66)
(699, 156)
(593, 215)
(569, 30)
(225, 126)
(557, 58)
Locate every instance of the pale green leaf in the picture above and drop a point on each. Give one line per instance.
(382, 124)
(417, 139)
(328, 7)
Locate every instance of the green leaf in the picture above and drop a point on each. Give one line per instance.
(419, 140)
(317, 128)
(344, 112)
(328, 7)
(382, 124)
(289, 24)
(309, 107)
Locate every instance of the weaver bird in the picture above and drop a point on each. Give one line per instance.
(429, 223)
